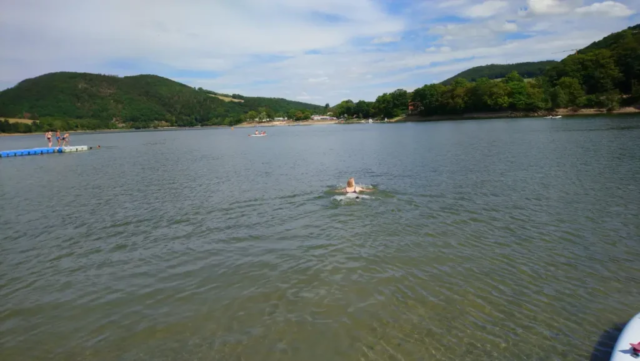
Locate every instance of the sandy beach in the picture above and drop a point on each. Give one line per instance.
(285, 123)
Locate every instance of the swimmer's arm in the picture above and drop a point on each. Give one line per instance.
(365, 189)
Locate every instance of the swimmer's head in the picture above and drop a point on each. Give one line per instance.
(351, 183)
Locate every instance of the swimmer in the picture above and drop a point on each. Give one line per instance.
(48, 135)
(257, 132)
(352, 188)
(264, 133)
(58, 137)
(65, 139)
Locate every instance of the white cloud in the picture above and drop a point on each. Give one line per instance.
(315, 50)
(386, 39)
(452, 3)
(323, 79)
(508, 27)
(189, 34)
(541, 26)
(305, 96)
(486, 9)
(549, 7)
(607, 8)
(473, 34)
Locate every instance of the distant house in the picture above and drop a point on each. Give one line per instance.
(414, 107)
(322, 117)
(280, 119)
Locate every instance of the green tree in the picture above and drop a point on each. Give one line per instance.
(252, 115)
(536, 98)
(456, 96)
(270, 113)
(572, 91)
(362, 109)
(596, 71)
(627, 57)
(400, 100)
(383, 106)
(345, 108)
(429, 98)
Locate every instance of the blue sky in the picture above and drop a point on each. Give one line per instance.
(319, 51)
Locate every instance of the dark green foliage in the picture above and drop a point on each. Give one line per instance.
(53, 124)
(594, 77)
(605, 67)
(499, 71)
(279, 105)
(7, 127)
(344, 109)
(386, 106)
(141, 101)
(362, 109)
(391, 105)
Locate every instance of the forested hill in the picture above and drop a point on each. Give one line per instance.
(499, 71)
(137, 100)
(614, 41)
(605, 75)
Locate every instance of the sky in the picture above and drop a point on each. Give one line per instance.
(316, 51)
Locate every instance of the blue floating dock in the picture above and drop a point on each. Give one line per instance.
(39, 151)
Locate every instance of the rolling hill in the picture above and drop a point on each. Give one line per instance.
(611, 64)
(138, 100)
(615, 40)
(499, 71)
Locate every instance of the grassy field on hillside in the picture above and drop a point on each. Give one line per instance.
(16, 120)
(227, 99)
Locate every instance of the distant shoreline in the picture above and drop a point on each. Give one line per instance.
(285, 123)
(94, 131)
(408, 119)
(510, 114)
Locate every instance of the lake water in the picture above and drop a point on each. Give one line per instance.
(483, 240)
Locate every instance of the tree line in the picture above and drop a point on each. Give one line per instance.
(605, 75)
(499, 71)
(53, 124)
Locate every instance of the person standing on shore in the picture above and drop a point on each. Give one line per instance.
(58, 137)
(48, 135)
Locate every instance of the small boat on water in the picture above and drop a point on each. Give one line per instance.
(553, 117)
